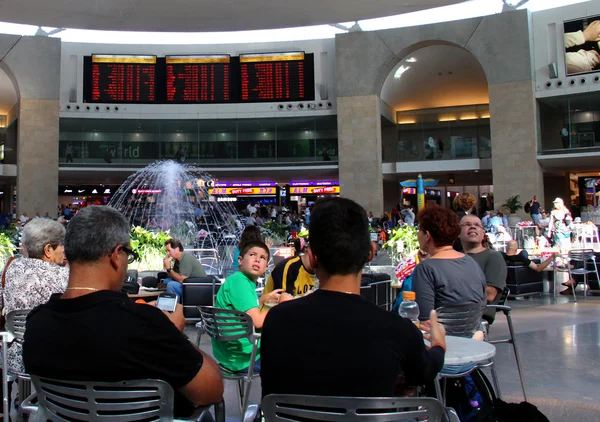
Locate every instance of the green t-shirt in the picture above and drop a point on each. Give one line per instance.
(190, 266)
(238, 293)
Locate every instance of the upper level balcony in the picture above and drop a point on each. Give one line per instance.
(111, 142)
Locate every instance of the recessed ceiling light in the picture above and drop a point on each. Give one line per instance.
(400, 71)
(411, 60)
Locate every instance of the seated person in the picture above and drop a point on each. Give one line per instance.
(543, 224)
(179, 266)
(239, 293)
(293, 275)
(445, 277)
(333, 342)
(486, 220)
(512, 258)
(496, 221)
(492, 263)
(94, 332)
(249, 233)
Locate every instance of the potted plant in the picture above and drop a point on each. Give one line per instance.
(513, 204)
(402, 244)
(150, 247)
(7, 248)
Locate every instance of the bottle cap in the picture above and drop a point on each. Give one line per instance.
(409, 295)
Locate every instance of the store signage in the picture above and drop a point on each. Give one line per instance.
(242, 191)
(227, 199)
(146, 191)
(320, 183)
(243, 184)
(314, 190)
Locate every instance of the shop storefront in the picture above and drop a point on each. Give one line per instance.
(240, 194)
(305, 194)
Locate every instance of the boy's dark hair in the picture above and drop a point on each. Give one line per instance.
(250, 233)
(339, 235)
(246, 246)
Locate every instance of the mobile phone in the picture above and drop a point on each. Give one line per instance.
(167, 302)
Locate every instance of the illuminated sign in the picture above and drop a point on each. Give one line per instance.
(146, 191)
(242, 191)
(226, 199)
(314, 190)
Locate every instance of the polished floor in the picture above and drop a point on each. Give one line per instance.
(559, 344)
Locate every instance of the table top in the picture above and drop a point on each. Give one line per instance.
(463, 351)
(145, 294)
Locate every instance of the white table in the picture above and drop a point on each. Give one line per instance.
(464, 351)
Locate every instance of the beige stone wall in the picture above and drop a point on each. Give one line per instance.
(359, 140)
(514, 130)
(37, 157)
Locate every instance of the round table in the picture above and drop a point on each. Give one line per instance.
(464, 351)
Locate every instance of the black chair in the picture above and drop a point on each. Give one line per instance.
(198, 291)
(375, 288)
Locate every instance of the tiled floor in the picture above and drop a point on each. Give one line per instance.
(559, 344)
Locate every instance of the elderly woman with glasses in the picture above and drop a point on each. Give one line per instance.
(444, 276)
(30, 280)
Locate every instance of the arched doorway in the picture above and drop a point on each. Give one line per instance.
(436, 121)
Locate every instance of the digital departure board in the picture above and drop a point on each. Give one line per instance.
(273, 77)
(123, 79)
(198, 79)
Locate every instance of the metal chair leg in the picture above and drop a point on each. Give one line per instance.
(438, 390)
(220, 411)
(495, 379)
(246, 400)
(517, 357)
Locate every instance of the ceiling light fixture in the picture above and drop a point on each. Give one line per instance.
(411, 60)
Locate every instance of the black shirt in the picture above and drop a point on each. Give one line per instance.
(516, 260)
(534, 208)
(338, 344)
(103, 336)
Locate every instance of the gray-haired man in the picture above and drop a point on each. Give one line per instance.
(94, 332)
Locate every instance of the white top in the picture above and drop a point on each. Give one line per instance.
(463, 351)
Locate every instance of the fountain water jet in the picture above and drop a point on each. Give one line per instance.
(170, 196)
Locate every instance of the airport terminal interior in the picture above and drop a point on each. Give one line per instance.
(201, 118)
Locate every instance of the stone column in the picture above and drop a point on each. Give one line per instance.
(359, 143)
(514, 130)
(37, 157)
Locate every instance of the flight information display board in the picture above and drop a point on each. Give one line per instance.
(273, 77)
(198, 79)
(121, 79)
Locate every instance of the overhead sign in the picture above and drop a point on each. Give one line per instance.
(314, 190)
(242, 191)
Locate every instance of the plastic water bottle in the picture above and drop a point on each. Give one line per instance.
(409, 308)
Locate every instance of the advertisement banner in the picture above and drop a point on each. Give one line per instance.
(314, 190)
(243, 191)
(582, 52)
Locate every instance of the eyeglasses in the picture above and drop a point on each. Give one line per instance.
(476, 225)
(131, 255)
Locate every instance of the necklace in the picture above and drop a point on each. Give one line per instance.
(93, 289)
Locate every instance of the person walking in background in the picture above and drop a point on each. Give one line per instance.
(408, 215)
(69, 153)
(534, 210)
(558, 229)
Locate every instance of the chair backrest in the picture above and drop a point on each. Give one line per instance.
(198, 291)
(503, 296)
(227, 324)
(124, 401)
(581, 254)
(461, 320)
(16, 322)
(284, 407)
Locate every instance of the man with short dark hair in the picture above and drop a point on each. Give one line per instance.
(179, 266)
(94, 332)
(333, 342)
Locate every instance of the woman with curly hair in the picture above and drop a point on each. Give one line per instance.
(444, 277)
(464, 204)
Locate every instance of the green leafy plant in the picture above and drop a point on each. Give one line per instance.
(7, 248)
(150, 247)
(276, 229)
(513, 204)
(303, 233)
(402, 243)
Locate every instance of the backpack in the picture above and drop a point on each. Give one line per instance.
(474, 400)
(527, 207)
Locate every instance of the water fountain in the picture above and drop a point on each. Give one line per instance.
(168, 196)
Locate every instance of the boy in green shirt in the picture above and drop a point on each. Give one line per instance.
(239, 293)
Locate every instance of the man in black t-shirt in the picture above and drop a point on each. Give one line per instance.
(512, 258)
(333, 342)
(93, 332)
